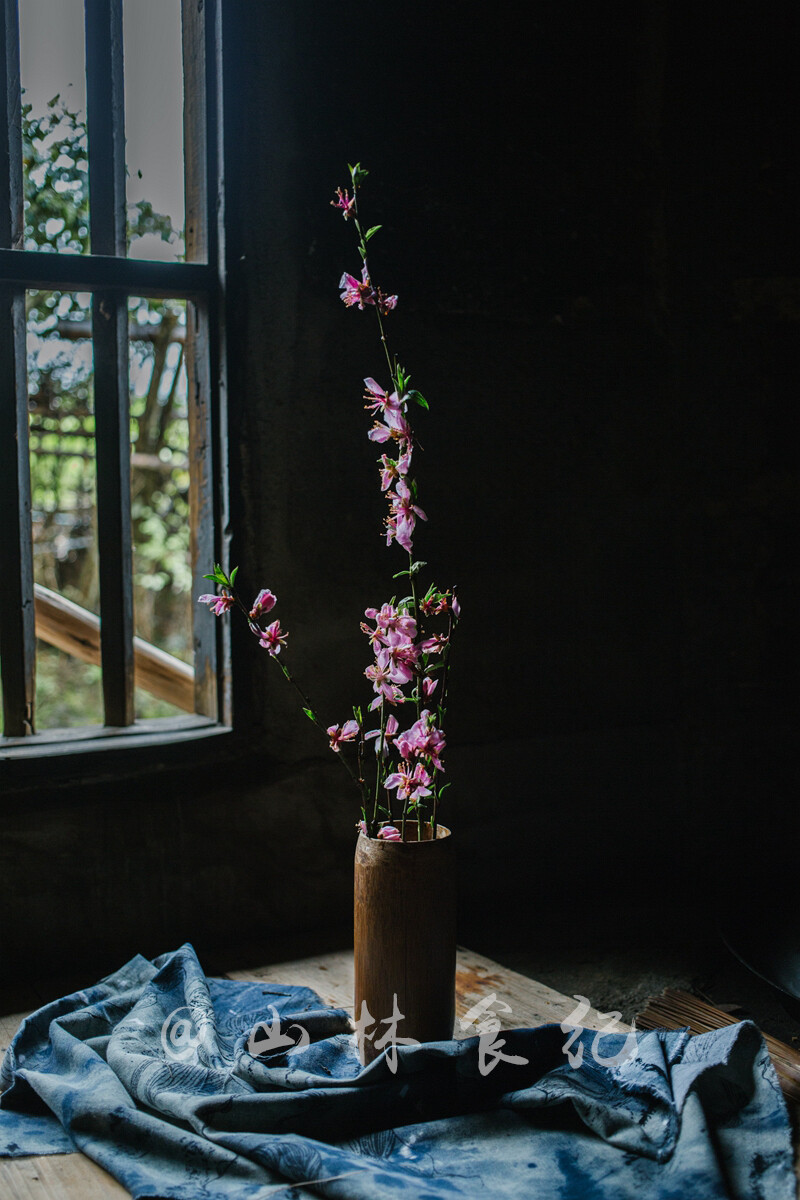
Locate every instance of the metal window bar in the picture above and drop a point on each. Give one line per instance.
(17, 640)
(111, 277)
(105, 119)
(202, 189)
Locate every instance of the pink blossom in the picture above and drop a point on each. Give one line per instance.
(411, 786)
(431, 605)
(380, 677)
(391, 533)
(396, 427)
(263, 603)
(440, 602)
(423, 740)
(388, 471)
(388, 619)
(404, 515)
(355, 292)
(400, 529)
(342, 733)
(379, 433)
(345, 202)
(387, 833)
(218, 604)
(272, 638)
(399, 655)
(386, 303)
(401, 430)
(391, 469)
(429, 686)
(402, 506)
(389, 731)
(375, 635)
(403, 535)
(381, 400)
(433, 645)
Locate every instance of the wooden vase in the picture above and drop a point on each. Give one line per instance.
(405, 939)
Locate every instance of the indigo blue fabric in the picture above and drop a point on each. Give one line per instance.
(149, 1073)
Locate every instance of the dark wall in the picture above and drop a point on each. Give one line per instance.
(591, 228)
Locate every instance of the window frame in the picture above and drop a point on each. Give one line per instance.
(110, 276)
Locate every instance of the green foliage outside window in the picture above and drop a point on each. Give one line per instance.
(61, 404)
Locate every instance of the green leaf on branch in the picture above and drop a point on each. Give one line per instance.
(371, 232)
(219, 576)
(399, 574)
(418, 398)
(233, 575)
(311, 716)
(417, 567)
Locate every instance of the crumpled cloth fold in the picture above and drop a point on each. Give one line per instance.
(183, 1087)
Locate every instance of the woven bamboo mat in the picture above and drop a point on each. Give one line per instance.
(675, 1009)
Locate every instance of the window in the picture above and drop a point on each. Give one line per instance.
(124, 429)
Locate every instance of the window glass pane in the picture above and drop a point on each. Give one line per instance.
(154, 127)
(64, 508)
(52, 68)
(162, 578)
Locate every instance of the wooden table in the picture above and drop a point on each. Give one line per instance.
(76, 1177)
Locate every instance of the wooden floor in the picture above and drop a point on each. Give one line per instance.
(76, 1177)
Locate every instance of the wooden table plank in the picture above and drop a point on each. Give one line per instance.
(531, 1003)
(58, 1177)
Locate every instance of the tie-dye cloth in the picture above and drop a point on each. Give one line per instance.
(150, 1074)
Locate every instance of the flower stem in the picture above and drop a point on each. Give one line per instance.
(445, 659)
(256, 630)
(378, 769)
(363, 252)
(392, 373)
(315, 720)
(442, 713)
(412, 581)
(360, 758)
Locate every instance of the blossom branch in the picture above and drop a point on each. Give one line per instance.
(408, 762)
(271, 638)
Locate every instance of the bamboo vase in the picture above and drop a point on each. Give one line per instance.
(405, 939)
